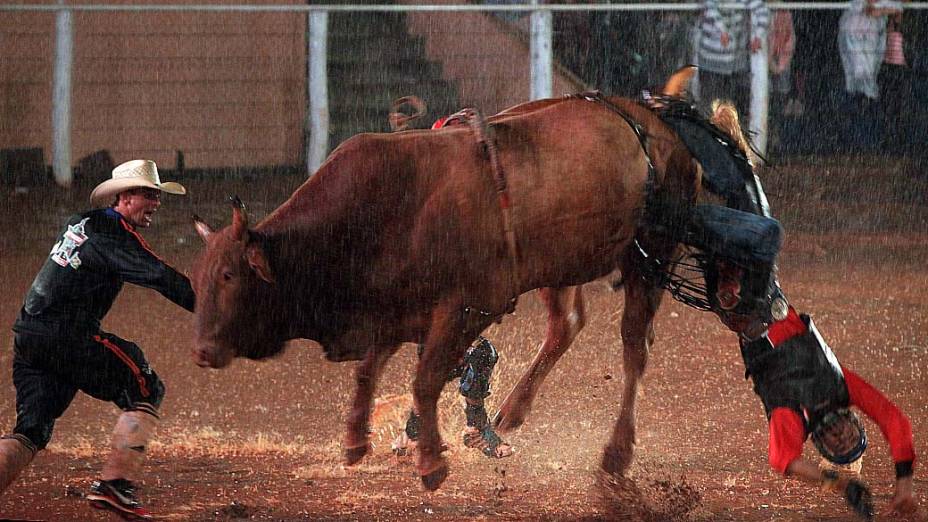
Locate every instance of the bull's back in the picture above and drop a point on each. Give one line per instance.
(577, 177)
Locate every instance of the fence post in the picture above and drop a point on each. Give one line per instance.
(760, 98)
(61, 97)
(318, 113)
(542, 68)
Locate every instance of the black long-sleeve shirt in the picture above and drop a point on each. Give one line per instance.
(97, 252)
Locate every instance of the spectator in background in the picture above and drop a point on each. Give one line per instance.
(573, 42)
(781, 44)
(727, 37)
(605, 51)
(862, 44)
(674, 47)
(894, 81)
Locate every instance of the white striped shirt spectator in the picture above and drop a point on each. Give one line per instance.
(726, 33)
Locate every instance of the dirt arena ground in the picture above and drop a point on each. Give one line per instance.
(261, 441)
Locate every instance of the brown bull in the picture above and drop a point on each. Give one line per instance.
(401, 237)
(566, 310)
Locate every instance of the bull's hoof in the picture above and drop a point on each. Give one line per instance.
(354, 455)
(433, 480)
(616, 461)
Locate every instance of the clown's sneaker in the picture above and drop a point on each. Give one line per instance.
(117, 496)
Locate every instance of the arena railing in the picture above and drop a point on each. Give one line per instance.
(317, 111)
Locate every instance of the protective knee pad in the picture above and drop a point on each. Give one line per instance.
(131, 434)
(134, 428)
(478, 367)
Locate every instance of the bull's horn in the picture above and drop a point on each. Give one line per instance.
(202, 228)
(239, 218)
(679, 81)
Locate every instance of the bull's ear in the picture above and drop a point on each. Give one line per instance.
(239, 218)
(202, 228)
(258, 262)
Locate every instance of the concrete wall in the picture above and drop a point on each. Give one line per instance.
(227, 89)
(488, 60)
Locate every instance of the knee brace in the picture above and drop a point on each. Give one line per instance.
(478, 366)
(130, 438)
(412, 425)
(134, 428)
(476, 414)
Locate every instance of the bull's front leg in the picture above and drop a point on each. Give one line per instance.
(566, 317)
(444, 347)
(357, 443)
(641, 302)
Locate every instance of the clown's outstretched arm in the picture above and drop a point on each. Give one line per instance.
(896, 429)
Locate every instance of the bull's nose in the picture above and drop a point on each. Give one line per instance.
(210, 356)
(202, 358)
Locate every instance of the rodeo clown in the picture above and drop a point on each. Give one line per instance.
(804, 389)
(474, 373)
(59, 347)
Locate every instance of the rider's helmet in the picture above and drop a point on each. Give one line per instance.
(840, 437)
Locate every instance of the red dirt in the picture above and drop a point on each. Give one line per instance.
(261, 441)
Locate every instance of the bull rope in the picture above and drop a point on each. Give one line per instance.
(597, 97)
(478, 125)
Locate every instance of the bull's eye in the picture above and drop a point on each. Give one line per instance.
(227, 275)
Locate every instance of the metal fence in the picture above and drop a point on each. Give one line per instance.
(214, 86)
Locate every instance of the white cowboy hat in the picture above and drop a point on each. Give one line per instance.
(130, 175)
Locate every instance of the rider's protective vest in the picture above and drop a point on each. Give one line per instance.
(727, 171)
(801, 373)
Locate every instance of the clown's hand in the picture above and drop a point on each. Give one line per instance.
(903, 500)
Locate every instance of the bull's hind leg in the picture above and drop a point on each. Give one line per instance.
(356, 439)
(566, 317)
(641, 302)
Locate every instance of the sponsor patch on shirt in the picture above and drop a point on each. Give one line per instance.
(65, 251)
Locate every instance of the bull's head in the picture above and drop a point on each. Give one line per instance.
(235, 289)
